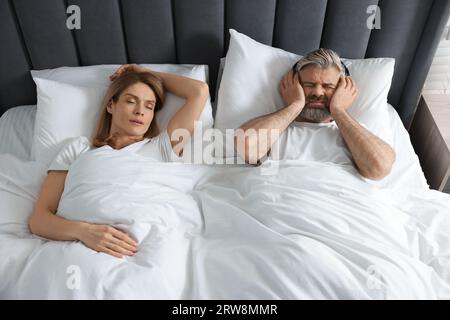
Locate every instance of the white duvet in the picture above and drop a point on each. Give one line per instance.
(310, 231)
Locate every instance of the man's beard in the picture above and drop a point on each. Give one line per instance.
(315, 114)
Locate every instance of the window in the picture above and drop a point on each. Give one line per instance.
(438, 79)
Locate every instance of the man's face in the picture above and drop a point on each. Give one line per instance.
(319, 86)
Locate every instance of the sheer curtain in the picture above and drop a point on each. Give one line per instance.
(438, 80)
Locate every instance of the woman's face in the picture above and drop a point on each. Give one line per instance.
(133, 112)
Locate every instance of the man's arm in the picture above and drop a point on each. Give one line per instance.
(255, 138)
(373, 157)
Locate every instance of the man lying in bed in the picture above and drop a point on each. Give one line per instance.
(317, 95)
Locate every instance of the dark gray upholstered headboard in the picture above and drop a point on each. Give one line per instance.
(33, 35)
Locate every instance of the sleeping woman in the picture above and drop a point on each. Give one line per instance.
(126, 123)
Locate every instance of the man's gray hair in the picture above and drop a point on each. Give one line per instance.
(323, 58)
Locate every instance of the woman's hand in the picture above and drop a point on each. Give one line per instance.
(127, 68)
(104, 238)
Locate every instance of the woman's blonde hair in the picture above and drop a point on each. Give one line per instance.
(102, 134)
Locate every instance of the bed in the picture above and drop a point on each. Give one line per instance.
(311, 231)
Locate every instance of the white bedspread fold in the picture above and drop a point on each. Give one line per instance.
(308, 231)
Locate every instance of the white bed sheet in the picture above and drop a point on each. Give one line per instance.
(16, 131)
(311, 231)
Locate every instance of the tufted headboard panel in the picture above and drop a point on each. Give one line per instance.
(34, 35)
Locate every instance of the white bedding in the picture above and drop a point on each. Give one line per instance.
(317, 230)
(312, 231)
(16, 131)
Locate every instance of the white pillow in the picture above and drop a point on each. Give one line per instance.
(406, 174)
(69, 101)
(64, 111)
(249, 85)
(16, 131)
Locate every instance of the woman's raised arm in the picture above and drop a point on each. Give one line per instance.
(196, 94)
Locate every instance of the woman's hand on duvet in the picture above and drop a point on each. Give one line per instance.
(127, 68)
(107, 239)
